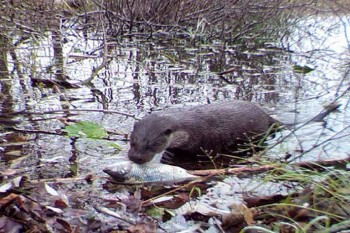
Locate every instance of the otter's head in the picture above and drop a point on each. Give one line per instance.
(150, 136)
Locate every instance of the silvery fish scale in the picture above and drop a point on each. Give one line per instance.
(151, 172)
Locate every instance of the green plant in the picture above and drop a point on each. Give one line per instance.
(85, 129)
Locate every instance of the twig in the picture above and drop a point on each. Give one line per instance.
(176, 189)
(333, 137)
(59, 180)
(325, 112)
(73, 110)
(234, 171)
(320, 163)
(29, 131)
(113, 214)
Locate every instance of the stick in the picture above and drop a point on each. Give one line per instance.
(73, 110)
(318, 165)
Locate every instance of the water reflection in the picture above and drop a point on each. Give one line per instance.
(143, 76)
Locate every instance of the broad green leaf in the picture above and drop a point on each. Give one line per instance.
(85, 129)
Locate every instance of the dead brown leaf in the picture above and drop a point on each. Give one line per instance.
(8, 199)
(239, 217)
(148, 227)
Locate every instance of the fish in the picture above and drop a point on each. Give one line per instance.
(128, 172)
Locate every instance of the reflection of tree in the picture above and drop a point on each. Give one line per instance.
(250, 73)
(58, 51)
(6, 99)
(13, 140)
(5, 86)
(3, 56)
(30, 20)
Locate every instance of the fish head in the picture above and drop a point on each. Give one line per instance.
(119, 171)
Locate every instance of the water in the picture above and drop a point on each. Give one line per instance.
(144, 76)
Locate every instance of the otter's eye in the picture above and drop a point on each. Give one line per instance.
(168, 132)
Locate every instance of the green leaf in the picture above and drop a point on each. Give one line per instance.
(74, 168)
(302, 69)
(155, 212)
(115, 145)
(85, 129)
(197, 190)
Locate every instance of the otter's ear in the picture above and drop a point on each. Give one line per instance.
(167, 132)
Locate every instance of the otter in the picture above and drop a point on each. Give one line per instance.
(216, 128)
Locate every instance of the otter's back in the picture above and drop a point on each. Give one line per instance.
(216, 127)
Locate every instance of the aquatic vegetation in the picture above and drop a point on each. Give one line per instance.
(85, 129)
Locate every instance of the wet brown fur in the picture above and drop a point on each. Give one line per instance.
(215, 127)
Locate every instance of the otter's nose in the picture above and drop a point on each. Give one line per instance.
(136, 157)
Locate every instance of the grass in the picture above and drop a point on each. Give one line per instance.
(320, 204)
